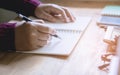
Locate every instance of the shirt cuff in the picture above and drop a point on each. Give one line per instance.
(7, 37)
(33, 2)
(30, 6)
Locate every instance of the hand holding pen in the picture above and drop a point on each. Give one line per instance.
(28, 19)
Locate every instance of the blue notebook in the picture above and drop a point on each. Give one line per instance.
(111, 10)
(109, 20)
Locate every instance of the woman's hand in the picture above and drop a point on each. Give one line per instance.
(54, 13)
(32, 35)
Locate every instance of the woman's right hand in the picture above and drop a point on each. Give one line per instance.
(32, 35)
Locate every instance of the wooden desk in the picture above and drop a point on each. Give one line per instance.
(84, 60)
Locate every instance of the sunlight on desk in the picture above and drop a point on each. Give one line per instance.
(84, 60)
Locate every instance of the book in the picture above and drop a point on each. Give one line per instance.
(70, 34)
(109, 21)
(110, 15)
(111, 10)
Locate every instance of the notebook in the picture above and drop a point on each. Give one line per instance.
(70, 34)
(110, 15)
(111, 10)
(109, 21)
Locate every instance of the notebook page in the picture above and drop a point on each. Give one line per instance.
(69, 26)
(59, 47)
(70, 34)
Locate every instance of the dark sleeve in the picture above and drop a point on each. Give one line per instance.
(7, 36)
(25, 7)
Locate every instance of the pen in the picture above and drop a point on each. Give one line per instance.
(55, 35)
(28, 19)
(24, 17)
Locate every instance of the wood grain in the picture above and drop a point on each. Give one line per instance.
(84, 60)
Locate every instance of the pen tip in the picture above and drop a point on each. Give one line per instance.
(57, 36)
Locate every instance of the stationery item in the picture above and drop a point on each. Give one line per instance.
(70, 34)
(24, 17)
(28, 19)
(110, 15)
(111, 10)
(109, 21)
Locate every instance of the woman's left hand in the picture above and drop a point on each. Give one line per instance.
(54, 13)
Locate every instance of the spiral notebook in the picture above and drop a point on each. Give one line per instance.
(70, 34)
(110, 15)
(111, 10)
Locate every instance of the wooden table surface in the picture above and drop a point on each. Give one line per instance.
(84, 60)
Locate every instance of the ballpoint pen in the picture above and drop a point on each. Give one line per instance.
(24, 17)
(28, 19)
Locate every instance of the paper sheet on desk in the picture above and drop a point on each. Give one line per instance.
(70, 34)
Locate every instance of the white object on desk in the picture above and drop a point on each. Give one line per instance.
(111, 32)
(114, 66)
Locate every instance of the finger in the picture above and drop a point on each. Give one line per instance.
(41, 42)
(69, 15)
(43, 36)
(42, 27)
(39, 21)
(45, 29)
(56, 10)
(62, 15)
(48, 17)
(38, 39)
